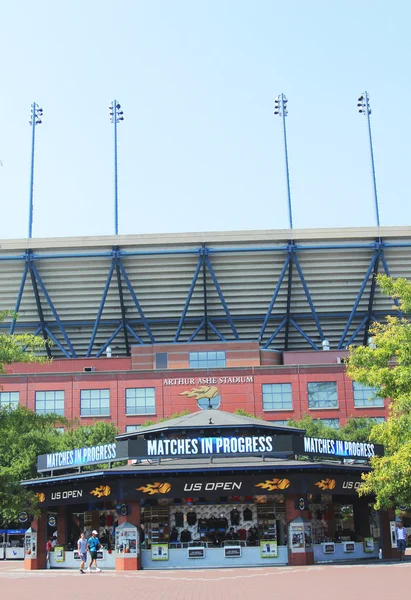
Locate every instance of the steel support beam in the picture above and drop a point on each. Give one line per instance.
(53, 310)
(117, 260)
(221, 296)
(39, 308)
(205, 307)
(289, 294)
(308, 296)
(19, 297)
(100, 310)
(371, 299)
(274, 298)
(358, 299)
(137, 303)
(110, 339)
(188, 299)
(305, 336)
(274, 335)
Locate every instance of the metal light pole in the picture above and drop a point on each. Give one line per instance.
(364, 108)
(36, 114)
(280, 108)
(116, 115)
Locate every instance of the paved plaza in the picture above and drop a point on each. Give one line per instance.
(376, 581)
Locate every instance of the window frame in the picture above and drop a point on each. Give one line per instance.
(9, 404)
(203, 359)
(131, 413)
(45, 411)
(311, 383)
(365, 403)
(94, 391)
(273, 395)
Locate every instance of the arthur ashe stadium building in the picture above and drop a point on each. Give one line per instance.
(146, 326)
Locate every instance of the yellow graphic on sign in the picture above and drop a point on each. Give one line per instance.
(40, 496)
(326, 484)
(155, 488)
(101, 491)
(274, 484)
(204, 391)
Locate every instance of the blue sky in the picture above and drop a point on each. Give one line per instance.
(200, 148)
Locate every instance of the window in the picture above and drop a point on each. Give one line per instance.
(50, 402)
(334, 423)
(95, 403)
(161, 360)
(277, 396)
(323, 395)
(205, 403)
(10, 399)
(280, 423)
(206, 360)
(364, 396)
(141, 401)
(132, 428)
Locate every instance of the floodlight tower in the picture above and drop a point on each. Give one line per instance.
(116, 115)
(280, 109)
(36, 115)
(364, 108)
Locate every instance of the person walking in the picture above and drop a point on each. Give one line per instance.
(401, 539)
(49, 548)
(82, 550)
(93, 546)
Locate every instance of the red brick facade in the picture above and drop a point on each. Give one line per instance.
(239, 384)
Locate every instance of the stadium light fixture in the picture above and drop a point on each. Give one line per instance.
(280, 109)
(116, 115)
(363, 105)
(35, 119)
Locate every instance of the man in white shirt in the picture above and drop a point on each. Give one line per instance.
(401, 539)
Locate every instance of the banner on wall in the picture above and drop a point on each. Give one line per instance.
(209, 486)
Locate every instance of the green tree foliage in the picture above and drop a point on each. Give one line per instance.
(77, 436)
(23, 436)
(387, 366)
(22, 347)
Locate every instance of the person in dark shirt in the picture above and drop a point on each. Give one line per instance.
(232, 535)
(252, 536)
(174, 535)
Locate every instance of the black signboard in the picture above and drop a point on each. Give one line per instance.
(232, 551)
(336, 448)
(202, 485)
(80, 457)
(196, 552)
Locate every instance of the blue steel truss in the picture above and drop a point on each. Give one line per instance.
(126, 328)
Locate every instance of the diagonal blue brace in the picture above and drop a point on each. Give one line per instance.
(110, 339)
(55, 340)
(198, 329)
(273, 299)
(276, 332)
(221, 296)
(220, 335)
(19, 297)
(100, 310)
(137, 303)
(188, 300)
(305, 336)
(53, 310)
(358, 299)
(133, 333)
(308, 296)
(357, 331)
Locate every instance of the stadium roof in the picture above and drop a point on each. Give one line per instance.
(285, 289)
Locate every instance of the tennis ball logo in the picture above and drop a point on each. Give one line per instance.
(274, 484)
(40, 497)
